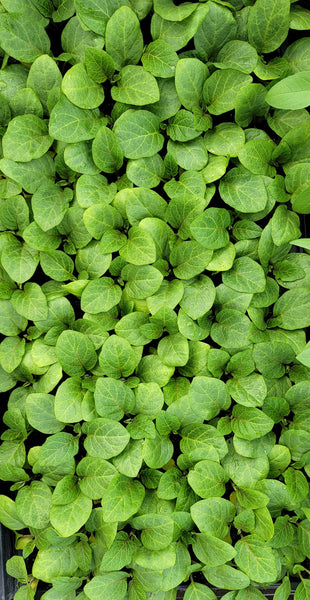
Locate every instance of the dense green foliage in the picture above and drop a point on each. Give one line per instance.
(154, 298)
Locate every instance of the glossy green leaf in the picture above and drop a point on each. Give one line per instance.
(80, 89)
(113, 583)
(113, 398)
(23, 39)
(122, 499)
(209, 228)
(135, 86)
(243, 191)
(70, 123)
(265, 32)
(221, 88)
(190, 75)
(105, 438)
(26, 138)
(33, 504)
(137, 133)
(160, 59)
(256, 559)
(75, 352)
(124, 41)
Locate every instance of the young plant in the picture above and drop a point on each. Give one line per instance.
(154, 301)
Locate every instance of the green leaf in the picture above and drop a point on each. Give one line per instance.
(122, 498)
(170, 12)
(70, 123)
(225, 138)
(207, 479)
(246, 276)
(80, 89)
(33, 504)
(250, 423)
(119, 554)
(299, 18)
(12, 350)
(271, 357)
(209, 228)
(123, 38)
(256, 559)
(54, 562)
(291, 311)
(157, 451)
(149, 399)
(135, 86)
(221, 88)
(156, 530)
(237, 54)
(75, 352)
(100, 295)
(11, 323)
(49, 204)
(256, 156)
(129, 462)
(249, 103)
(22, 38)
(250, 498)
(140, 248)
(191, 155)
(95, 475)
(26, 138)
(44, 76)
(248, 391)
(40, 413)
(117, 358)
(212, 516)
(160, 59)
(68, 400)
(178, 33)
(225, 576)
(29, 175)
(16, 568)
(67, 519)
(291, 92)
(155, 559)
(302, 590)
(268, 24)
(189, 259)
(106, 151)
(137, 133)
(198, 591)
(57, 449)
(304, 356)
(30, 302)
(173, 350)
(57, 265)
(146, 172)
(142, 280)
(218, 28)
(284, 226)
(232, 329)
(190, 75)
(113, 398)
(105, 438)
(198, 296)
(8, 514)
(211, 550)
(243, 191)
(296, 484)
(114, 584)
(19, 260)
(99, 64)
